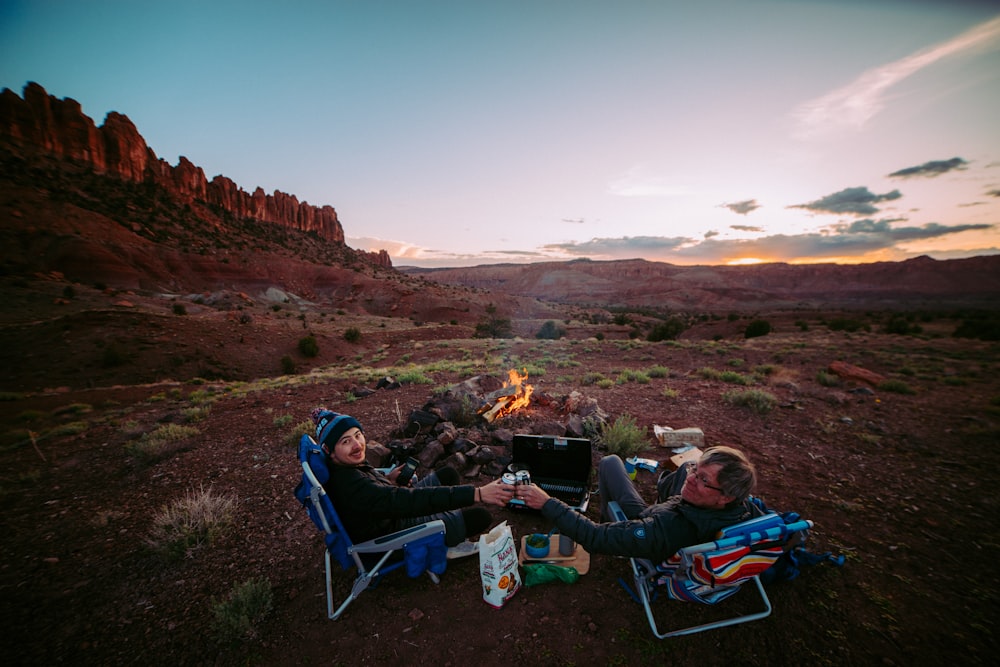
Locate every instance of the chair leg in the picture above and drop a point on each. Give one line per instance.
(329, 588)
(745, 618)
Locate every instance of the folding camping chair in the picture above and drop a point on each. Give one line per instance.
(420, 548)
(711, 572)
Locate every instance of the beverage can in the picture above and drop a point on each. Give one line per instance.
(515, 479)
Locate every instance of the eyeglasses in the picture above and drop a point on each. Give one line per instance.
(700, 477)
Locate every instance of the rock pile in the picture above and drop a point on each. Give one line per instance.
(448, 430)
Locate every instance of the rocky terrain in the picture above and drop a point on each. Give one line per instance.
(138, 305)
(913, 284)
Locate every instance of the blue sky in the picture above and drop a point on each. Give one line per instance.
(456, 132)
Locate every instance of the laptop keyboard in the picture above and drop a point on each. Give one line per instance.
(561, 488)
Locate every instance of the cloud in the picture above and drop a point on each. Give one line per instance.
(853, 105)
(623, 246)
(837, 241)
(406, 254)
(931, 169)
(832, 243)
(851, 201)
(746, 228)
(993, 193)
(743, 207)
(639, 181)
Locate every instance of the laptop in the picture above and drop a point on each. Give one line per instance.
(561, 466)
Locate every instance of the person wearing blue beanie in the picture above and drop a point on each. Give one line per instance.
(371, 504)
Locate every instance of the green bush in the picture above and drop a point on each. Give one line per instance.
(550, 331)
(896, 387)
(295, 434)
(179, 309)
(287, 365)
(308, 346)
(902, 325)
(847, 324)
(732, 377)
(623, 437)
(352, 335)
(414, 377)
(668, 330)
(494, 326)
(166, 440)
(827, 379)
(758, 401)
(984, 326)
(191, 522)
(757, 328)
(237, 617)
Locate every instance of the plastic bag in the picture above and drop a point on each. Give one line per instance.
(498, 567)
(543, 573)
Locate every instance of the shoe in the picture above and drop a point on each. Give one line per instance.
(466, 548)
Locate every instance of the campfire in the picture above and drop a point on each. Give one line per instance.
(513, 396)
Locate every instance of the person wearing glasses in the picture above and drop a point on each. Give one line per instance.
(693, 503)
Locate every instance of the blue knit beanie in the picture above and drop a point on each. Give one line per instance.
(330, 426)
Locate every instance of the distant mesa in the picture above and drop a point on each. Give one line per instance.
(43, 122)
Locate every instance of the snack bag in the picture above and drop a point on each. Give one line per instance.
(498, 565)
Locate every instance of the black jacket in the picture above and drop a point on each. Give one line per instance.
(660, 530)
(369, 504)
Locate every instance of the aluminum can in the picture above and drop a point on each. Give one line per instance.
(509, 478)
(522, 477)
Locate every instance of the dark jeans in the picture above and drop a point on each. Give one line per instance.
(454, 522)
(613, 484)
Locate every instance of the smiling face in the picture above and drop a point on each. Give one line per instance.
(350, 449)
(701, 487)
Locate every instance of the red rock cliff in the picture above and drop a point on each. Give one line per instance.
(116, 148)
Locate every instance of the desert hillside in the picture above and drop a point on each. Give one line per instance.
(161, 347)
(913, 284)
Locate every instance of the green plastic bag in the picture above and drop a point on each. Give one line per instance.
(543, 573)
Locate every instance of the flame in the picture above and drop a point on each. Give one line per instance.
(516, 394)
(523, 396)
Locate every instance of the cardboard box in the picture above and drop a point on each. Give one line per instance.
(693, 454)
(668, 437)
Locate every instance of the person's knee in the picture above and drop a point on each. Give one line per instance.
(610, 461)
(447, 476)
(477, 520)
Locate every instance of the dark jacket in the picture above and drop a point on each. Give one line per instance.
(369, 504)
(658, 533)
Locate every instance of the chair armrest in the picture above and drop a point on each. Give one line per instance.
(616, 511)
(399, 539)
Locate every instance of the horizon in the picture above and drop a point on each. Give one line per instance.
(453, 135)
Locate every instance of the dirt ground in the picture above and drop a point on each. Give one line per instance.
(902, 484)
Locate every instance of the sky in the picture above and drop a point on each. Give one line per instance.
(460, 132)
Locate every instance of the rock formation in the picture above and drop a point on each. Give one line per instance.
(59, 127)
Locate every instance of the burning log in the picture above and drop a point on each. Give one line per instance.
(513, 396)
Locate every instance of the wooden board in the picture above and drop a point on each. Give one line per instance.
(580, 559)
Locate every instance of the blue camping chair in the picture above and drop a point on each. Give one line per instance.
(709, 573)
(419, 549)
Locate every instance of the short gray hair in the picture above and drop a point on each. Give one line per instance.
(737, 476)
